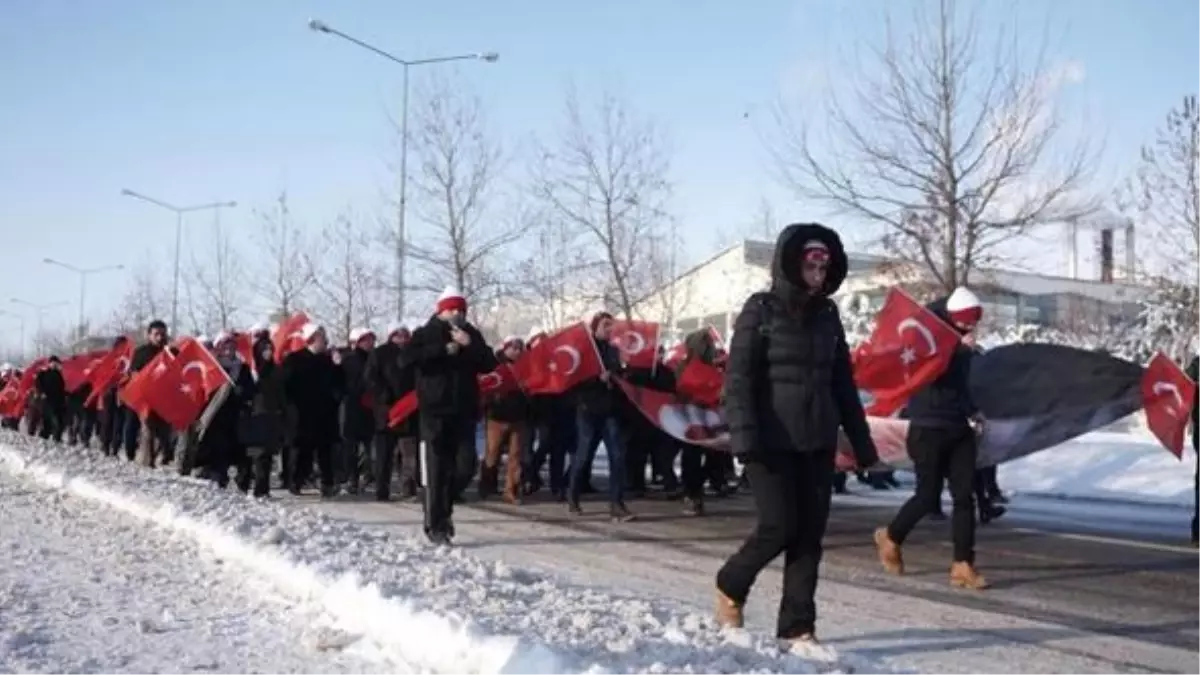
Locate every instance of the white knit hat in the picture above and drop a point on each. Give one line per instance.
(394, 327)
(309, 330)
(360, 333)
(451, 298)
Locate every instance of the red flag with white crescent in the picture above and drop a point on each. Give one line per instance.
(636, 342)
(1168, 395)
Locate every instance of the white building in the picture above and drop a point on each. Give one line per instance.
(713, 291)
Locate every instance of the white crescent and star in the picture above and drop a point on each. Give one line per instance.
(575, 359)
(490, 381)
(197, 366)
(633, 338)
(908, 356)
(1161, 386)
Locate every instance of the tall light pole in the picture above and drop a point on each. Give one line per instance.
(84, 273)
(21, 320)
(178, 211)
(487, 57)
(39, 310)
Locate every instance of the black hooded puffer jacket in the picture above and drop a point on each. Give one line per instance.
(789, 385)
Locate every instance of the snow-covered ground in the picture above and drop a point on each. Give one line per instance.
(1106, 466)
(89, 589)
(388, 596)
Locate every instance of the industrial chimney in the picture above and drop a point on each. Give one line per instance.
(1106, 256)
(1130, 254)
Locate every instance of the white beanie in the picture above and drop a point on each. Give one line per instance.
(257, 327)
(964, 307)
(221, 337)
(360, 333)
(202, 338)
(510, 340)
(394, 327)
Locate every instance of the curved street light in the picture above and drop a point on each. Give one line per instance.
(488, 57)
(84, 273)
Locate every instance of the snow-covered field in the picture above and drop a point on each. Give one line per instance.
(388, 597)
(85, 588)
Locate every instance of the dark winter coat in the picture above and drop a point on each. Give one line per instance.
(269, 394)
(220, 447)
(52, 388)
(945, 402)
(388, 379)
(1193, 371)
(789, 384)
(312, 385)
(595, 397)
(358, 424)
(142, 355)
(446, 384)
(511, 406)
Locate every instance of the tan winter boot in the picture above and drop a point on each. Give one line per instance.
(963, 575)
(729, 613)
(889, 552)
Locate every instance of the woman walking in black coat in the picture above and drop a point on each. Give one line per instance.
(313, 386)
(220, 448)
(789, 387)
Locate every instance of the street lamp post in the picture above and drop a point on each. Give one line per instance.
(84, 273)
(406, 64)
(39, 310)
(178, 211)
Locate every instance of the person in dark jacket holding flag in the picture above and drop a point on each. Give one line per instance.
(266, 427)
(942, 442)
(697, 465)
(788, 389)
(314, 386)
(154, 438)
(506, 427)
(595, 420)
(389, 380)
(449, 354)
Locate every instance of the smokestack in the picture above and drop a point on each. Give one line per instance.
(1106, 256)
(1130, 254)
(1073, 249)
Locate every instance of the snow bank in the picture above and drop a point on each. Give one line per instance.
(1106, 466)
(434, 609)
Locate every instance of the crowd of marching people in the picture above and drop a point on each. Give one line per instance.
(297, 412)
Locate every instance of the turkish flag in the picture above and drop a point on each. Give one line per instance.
(402, 409)
(200, 372)
(684, 421)
(108, 371)
(137, 392)
(560, 361)
(500, 381)
(1168, 395)
(637, 342)
(700, 383)
(674, 355)
(11, 402)
(245, 349)
(75, 369)
(287, 337)
(171, 396)
(909, 348)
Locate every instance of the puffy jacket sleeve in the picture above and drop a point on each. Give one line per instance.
(425, 345)
(850, 409)
(481, 353)
(743, 375)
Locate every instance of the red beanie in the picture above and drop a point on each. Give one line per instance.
(450, 299)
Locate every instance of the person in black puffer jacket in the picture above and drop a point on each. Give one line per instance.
(596, 419)
(314, 386)
(264, 433)
(52, 392)
(942, 442)
(358, 424)
(788, 390)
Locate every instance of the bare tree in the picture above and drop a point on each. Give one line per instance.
(668, 297)
(557, 272)
(285, 250)
(147, 298)
(607, 176)
(349, 281)
(219, 278)
(953, 148)
(455, 185)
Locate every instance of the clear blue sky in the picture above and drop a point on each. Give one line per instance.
(199, 100)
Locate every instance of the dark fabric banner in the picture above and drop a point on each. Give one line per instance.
(1035, 396)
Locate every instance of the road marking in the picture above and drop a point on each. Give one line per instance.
(1113, 541)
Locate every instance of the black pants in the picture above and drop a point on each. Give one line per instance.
(792, 492)
(54, 420)
(941, 455)
(1196, 498)
(355, 455)
(300, 463)
(693, 470)
(391, 449)
(443, 456)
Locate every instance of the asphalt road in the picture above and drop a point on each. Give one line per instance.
(1145, 590)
